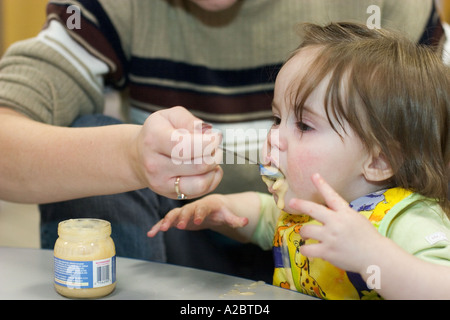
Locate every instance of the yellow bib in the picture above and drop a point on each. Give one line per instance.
(317, 277)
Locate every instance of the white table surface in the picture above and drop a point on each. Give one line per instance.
(27, 274)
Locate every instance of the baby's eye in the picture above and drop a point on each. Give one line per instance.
(303, 127)
(276, 121)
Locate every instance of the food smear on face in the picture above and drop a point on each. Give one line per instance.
(275, 179)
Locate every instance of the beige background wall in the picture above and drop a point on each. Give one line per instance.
(20, 19)
(444, 9)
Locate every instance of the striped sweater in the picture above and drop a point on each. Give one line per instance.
(222, 66)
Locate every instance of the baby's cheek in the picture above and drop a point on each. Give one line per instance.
(297, 173)
(299, 179)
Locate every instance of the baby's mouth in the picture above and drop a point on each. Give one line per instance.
(272, 177)
(276, 183)
(270, 172)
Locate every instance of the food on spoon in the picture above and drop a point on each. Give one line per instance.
(274, 179)
(272, 173)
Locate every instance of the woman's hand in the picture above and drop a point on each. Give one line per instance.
(346, 238)
(210, 212)
(173, 143)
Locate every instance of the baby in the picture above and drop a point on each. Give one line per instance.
(361, 152)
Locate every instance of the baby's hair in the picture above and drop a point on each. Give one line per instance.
(394, 93)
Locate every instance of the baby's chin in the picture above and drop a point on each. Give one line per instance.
(275, 198)
(281, 204)
(289, 210)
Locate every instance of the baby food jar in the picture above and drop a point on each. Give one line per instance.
(84, 259)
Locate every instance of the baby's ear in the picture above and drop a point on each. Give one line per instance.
(377, 168)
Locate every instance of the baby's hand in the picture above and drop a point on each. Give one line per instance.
(206, 213)
(346, 238)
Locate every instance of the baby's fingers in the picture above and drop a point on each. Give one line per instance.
(332, 198)
(201, 212)
(165, 223)
(155, 229)
(185, 215)
(315, 232)
(314, 210)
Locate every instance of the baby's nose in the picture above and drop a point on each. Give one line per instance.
(272, 148)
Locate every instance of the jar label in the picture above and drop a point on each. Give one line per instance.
(85, 274)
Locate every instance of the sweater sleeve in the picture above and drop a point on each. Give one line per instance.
(103, 30)
(38, 81)
(268, 216)
(60, 74)
(423, 230)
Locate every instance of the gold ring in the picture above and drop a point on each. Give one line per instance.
(180, 196)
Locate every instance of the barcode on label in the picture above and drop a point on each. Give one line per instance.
(102, 272)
